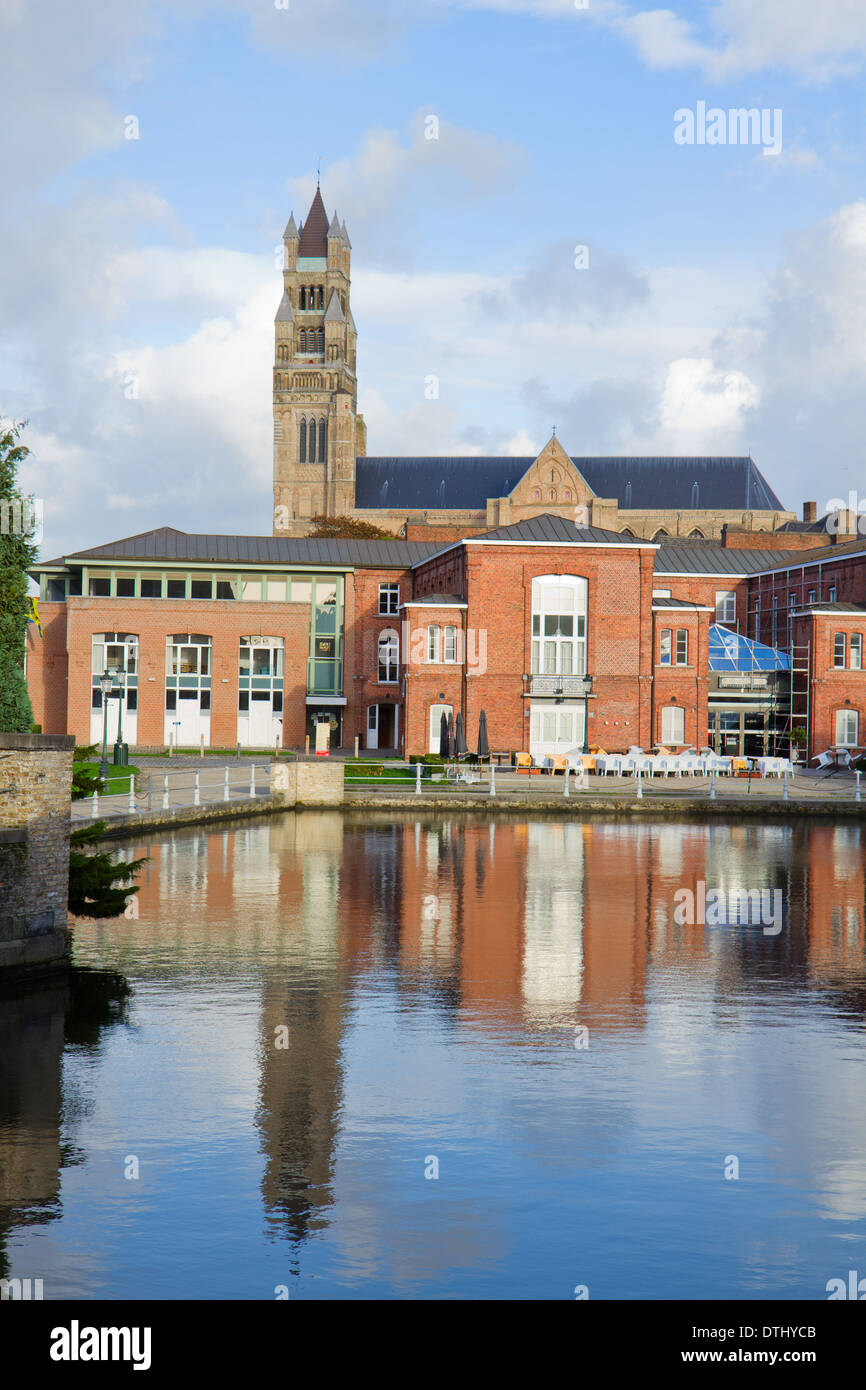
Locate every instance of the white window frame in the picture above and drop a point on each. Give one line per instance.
(840, 651)
(388, 656)
(389, 600)
(726, 605)
(846, 721)
(449, 644)
(666, 646)
(558, 653)
(681, 633)
(434, 644)
(855, 644)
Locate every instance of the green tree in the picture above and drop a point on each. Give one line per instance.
(94, 879)
(17, 554)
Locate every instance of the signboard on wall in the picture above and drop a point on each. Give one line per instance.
(325, 647)
(323, 738)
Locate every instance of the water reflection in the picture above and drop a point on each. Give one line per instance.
(346, 997)
(37, 1116)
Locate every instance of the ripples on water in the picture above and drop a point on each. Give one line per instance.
(434, 984)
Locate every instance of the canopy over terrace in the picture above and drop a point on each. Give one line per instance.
(749, 697)
(731, 651)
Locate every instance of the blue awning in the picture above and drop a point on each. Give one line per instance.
(731, 651)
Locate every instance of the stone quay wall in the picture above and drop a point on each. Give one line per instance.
(35, 791)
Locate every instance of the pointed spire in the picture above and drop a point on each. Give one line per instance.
(291, 232)
(334, 312)
(314, 233)
(285, 313)
(334, 229)
(346, 240)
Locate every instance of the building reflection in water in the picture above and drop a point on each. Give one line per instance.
(519, 931)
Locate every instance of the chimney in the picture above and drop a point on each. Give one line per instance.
(810, 511)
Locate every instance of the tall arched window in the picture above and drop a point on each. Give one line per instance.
(321, 297)
(321, 340)
(558, 625)
(388, 652)
(303, 297)
(302, 443)
(312, 441)
(323, 440)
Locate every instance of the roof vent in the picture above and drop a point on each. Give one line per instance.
(696, 496)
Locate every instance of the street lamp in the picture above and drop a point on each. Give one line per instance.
(587, 691)
(106, 681)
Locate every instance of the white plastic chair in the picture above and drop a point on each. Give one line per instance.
(612, 764)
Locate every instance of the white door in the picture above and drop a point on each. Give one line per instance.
(188, 722)
(436, 713)
(129, 727)
(555, 729)
(372, 726)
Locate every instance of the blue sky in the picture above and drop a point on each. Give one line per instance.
(723, 308)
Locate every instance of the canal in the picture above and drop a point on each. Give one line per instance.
(413, 1057)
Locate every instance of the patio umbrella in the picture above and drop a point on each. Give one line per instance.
(461, 747)
(483, 745)
(444, 737)
(451, 735)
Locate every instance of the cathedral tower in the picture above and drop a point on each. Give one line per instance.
(318, 432)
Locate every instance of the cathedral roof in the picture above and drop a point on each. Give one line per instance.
(334, 312)
(314, 233)
(466, 482)
(291, 232)
(334, 230)
(346, 235)
(285, 313)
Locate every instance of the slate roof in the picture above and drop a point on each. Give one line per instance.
(818, 606)
(285, 313)
(555, 528)
(714, 559)
(165, 543)
(665, 603)
(436, 482)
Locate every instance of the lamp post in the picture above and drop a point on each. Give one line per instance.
(106, 681)
(121, 757)
(587, 691)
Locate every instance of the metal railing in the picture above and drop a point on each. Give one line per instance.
(166, 791)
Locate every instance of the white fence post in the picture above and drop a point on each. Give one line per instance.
(785, 785)
(639, 785)
(252, 779)
(712, 784)
(565, 791)
(149, 789)
(196, 795)
(492, 779)
(165, 791)
(857, 789)
(417, 779)
(226, 784)
(132, 793)
(94, 804)
(201, 754)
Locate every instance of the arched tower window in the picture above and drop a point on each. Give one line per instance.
(321, 296)
(302, 442)
(302, 341)
(312, 441)
(321, 340)
(323, 441)
(303, 302)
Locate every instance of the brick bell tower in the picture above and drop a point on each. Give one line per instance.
(318, 432)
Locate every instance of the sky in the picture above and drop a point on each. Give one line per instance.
(526, 227)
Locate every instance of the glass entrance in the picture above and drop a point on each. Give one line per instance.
(188, 689)
(555, 729)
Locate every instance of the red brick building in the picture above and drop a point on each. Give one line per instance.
(261, 640)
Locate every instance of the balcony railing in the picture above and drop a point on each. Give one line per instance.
(569, 686)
